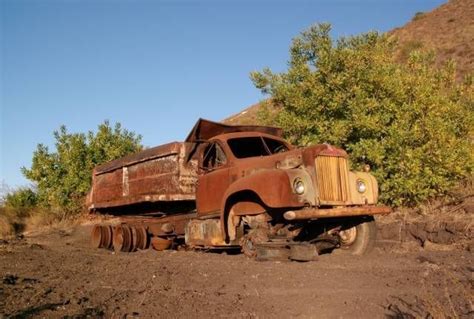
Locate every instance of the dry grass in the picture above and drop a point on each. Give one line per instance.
(14, 222)
(6, 228)
(10, 222)
(448, 30)
(248, 116)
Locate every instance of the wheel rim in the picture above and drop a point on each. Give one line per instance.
(96, 236)
(127, 239)
(143, 237)
(108, 237)
(250, 240)
(248, 248)
(134, 239)
(122, 238)
(348, 236)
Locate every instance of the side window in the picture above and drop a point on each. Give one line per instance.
(275, 146)
(214, 156)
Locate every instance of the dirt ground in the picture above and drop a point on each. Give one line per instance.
(56, 274)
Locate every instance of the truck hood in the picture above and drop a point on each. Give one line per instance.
(292, 158)
(204, 130)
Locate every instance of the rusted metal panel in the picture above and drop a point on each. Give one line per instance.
(336, 212)
(145, 155)
(107, 186)
(370, 196)
(131, 200)
(155, 167)
(159, 174)
(208, 233)
(247, 208)
(272, 186)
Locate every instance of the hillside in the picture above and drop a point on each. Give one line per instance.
(248, 116)
(448, 30)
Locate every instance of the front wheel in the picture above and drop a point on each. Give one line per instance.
(357, 237)
(250, 241)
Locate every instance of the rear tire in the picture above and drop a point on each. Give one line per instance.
(365, 236)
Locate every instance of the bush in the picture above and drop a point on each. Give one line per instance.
(410, 121)
(22, 198)
(407, 48)
(63, 177)
(418, 16)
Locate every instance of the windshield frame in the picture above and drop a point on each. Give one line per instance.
(262, 140)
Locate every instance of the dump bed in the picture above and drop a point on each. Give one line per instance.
(157, 174)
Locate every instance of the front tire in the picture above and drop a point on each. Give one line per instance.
(358, 236)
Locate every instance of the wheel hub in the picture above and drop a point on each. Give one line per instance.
(248, 242)
(348, 236)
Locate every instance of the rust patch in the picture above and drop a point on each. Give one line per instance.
(336, 212)
(207, 233)
(158, 174)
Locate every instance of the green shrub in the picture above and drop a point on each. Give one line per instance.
(15, 207)
(63, 177)
(23, 197)
(418, 16)
(410, 121)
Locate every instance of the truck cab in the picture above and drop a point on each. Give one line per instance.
(230, 157)
(255, 181)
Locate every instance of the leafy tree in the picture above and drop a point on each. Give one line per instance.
(410, 121)
(63, 177)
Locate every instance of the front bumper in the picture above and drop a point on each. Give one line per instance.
(316, 213)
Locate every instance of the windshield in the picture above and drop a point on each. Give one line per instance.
(244, 147)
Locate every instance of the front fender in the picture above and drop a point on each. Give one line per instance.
(272, 186)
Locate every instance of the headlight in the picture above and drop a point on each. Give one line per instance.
(298, 186)
(361, 187)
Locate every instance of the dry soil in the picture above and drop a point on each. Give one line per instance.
(56, 274)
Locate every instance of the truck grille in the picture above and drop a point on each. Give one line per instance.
(332, 179)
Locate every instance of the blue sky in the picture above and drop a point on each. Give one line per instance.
(154, 66)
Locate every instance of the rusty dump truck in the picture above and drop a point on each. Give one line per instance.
(235, 187)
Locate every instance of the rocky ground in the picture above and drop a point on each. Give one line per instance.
(56, 274)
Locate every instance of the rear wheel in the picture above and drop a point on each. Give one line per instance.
(358, 237)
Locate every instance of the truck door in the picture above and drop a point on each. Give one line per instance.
(213, 181)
